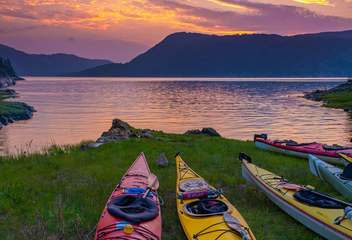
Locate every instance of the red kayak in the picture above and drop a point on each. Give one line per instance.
(328, 153)
(132, 211)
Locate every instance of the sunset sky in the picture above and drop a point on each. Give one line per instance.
(119, 29)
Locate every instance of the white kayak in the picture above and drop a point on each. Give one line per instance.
(338, 178)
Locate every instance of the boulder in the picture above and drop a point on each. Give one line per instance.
(210, 132)
(162, 161)
(121, 130)
(193, 131)
(4, 120)
(146, 133)
(205, 131)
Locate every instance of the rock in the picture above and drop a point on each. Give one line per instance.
(210, 132)
(147, 134)
(94, 145)
(86, 146)
(17, 78)
(162, 161)
(3, 120)
(193, 131)
(8, 93)
(121, 130)
(205, 131)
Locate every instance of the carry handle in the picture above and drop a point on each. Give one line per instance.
(242, 156)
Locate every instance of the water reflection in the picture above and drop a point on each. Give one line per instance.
(71, 110)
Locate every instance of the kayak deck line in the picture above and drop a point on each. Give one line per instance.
(115, 223)
(205, 227)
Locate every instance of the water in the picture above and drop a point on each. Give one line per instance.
(74, 109)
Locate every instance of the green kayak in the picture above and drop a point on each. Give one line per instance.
(340, 179)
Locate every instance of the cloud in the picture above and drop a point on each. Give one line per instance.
(319, 2)
(132, 19)
(263, 17)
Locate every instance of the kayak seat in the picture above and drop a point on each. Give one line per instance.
(286, 142)
(334, 147)
(347, 172)
(206, 207)
(316, 199)
(132, 208)
(295, 144)
(292, 143)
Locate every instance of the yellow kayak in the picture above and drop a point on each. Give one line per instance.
(327, 216)
(205, 214)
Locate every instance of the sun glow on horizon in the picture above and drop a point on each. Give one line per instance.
(319, 2)
(148, 21)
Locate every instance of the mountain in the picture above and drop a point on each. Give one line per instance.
(115, 50)
(254, 55)
(8, 75)
(46, 65)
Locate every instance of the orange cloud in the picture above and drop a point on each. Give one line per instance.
(319, 2)
(160, 17)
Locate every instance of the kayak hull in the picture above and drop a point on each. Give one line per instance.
(331, 175)
(135, 177)
(301, 152)
(312, 217)
(192, 225)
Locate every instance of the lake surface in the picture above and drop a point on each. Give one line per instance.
(74, 109)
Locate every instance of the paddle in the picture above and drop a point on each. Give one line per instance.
(153, 184)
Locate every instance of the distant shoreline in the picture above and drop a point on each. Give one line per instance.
(337, 97)
(238, 79)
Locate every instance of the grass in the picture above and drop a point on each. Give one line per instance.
(341, 99)
(11, 108)
(60, 194)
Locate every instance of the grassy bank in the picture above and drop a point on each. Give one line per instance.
(341, 99)
(60, 194)
(337, 97)
(13, 111)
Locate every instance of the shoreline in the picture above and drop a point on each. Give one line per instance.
(204, 78)
(11, 111)
(338, 97)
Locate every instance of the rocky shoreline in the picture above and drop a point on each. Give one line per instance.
(11, 111)
(121, 130)
(343, 90)
(7, 81)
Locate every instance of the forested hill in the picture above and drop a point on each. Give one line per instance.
(254, 55)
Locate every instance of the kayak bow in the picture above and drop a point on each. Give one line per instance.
(133, 210)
